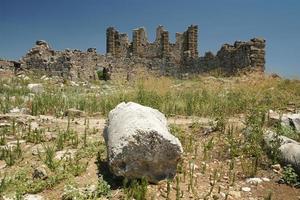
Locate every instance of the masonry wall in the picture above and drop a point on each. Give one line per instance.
(248, 55)
(161, 56)
(186, 46)
(71, 64)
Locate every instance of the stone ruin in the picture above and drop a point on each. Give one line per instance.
(184, 52)
(161, 56)
(186, 45)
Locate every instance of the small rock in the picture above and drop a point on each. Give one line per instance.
(34, 125)
(65, 154)
(45, 78)
(35, 150)
(208, 130)
(15, 110)
(40, 173)
(35, 88)
(265, 179)
(254, 181)
(246, 189)
(72, 112)
(277, 167)
(223, 194)
(194, 167)
(33, 197)
(20, 111)
(26, 78)
(49, 136)
(235, 194)
(74, 84)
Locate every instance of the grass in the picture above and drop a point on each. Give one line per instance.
(241, 154)
(200, 97)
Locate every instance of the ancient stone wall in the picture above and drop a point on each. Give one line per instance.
(71, 64)
(139, 42)
(248, 55)
(117, 44)
(186, 46)
(190, 45)
(160, 56)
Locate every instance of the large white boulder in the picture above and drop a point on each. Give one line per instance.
(289, 149)
(139, 143)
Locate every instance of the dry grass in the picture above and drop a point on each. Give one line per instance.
(214, 164)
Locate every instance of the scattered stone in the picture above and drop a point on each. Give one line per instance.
(265, 179)
(49, 136)
(254, 181)
(246, 189)
(15, 110)
(235, 194)
(207, 130)
(65, 154)
(74, 84)
(24, 77)
(45, 78)
(35, 150)
(139, 143)
(20, 111)
(72, 112)
(34, 125)
(223, 195)
(40, 173)
(33, 197)
(35, 88)
(277, 167)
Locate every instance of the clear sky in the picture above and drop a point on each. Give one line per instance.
(80, 24)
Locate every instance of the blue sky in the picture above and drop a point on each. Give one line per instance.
(80, 24)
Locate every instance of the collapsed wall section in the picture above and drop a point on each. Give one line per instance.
(248, 55)
(70, 64)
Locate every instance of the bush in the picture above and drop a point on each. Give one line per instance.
(289, 176)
